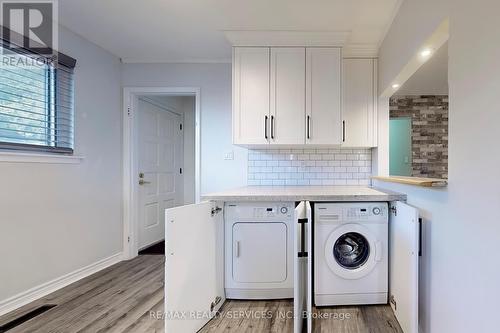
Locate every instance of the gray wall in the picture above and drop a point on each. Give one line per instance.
(214, 80)
(459, 270)
(56, 218)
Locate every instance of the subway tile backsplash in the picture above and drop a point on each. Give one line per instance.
(309, 167)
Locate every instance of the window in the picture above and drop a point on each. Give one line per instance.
(36, 103)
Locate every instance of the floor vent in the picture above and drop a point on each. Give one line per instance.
(24, 318)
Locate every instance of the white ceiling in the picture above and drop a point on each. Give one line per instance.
(431, 78)
(192, 30)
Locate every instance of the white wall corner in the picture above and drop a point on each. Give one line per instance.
(380, 155)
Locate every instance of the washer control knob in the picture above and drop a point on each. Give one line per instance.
(376, 211)
(284, 210)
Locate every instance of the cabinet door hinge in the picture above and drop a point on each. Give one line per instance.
(128, 110)
(128, 239)
(215, 302)
(216, 210)
(394, 210)
(180, 127)
(180, 171)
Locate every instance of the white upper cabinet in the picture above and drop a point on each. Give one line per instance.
(323, 96)
(292, 96)
(251, 95)
(359, 103)
(287, 121)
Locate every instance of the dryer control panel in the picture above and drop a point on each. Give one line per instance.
(261, 211)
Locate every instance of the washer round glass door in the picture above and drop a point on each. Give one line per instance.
(350, 251)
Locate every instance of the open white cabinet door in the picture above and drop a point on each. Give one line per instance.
(299, 268)
(404, 235)
(194, 286)
(309, 277)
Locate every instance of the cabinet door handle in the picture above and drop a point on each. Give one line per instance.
(343, 131)
(272, 127)
(308, 127)
(237, 249)
(265, 127)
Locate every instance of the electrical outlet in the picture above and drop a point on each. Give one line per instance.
(229, 156)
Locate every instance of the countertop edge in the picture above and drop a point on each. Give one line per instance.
(383, 196)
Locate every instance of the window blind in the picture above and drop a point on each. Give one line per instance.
(36, 103)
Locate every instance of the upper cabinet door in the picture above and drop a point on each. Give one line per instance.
(359, 103)
(288, 76)
(251, 95)
(323, 96)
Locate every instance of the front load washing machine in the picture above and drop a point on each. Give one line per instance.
(350, 253)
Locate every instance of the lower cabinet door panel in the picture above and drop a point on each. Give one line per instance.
(193, 278)
(403, 264)
(300, 271)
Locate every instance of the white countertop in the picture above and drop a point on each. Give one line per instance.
(309, 193)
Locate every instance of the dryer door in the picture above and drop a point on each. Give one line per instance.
(351, 251)
(260, 252)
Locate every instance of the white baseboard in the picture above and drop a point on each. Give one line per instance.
(28, 296)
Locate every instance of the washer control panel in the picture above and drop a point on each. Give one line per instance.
(338, 213)
(365, 211)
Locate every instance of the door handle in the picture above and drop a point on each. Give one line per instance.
(272, 127)
(343, 131)
(237, 249)
(143, 182)
(265, 127)
(308, 127)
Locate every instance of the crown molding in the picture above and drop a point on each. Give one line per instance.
(286, 38)
(360, 50)
(176, 61)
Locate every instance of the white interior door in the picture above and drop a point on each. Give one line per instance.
(299, 270)
(259, 252)
(288, 77)
(194, 282)
(403, 264)
(323, 96)
(160, 152)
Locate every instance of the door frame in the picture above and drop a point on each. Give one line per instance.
(130, 162)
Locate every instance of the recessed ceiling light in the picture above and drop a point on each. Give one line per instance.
(395, 86)
(426, 52)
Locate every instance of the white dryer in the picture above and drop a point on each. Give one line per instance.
(350, 253)
(259, 250)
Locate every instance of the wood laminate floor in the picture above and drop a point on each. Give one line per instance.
(120, 298)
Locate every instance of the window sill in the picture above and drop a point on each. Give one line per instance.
(16, 157)
(416, 181)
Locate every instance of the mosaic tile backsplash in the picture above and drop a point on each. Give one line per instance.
(309, 167)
